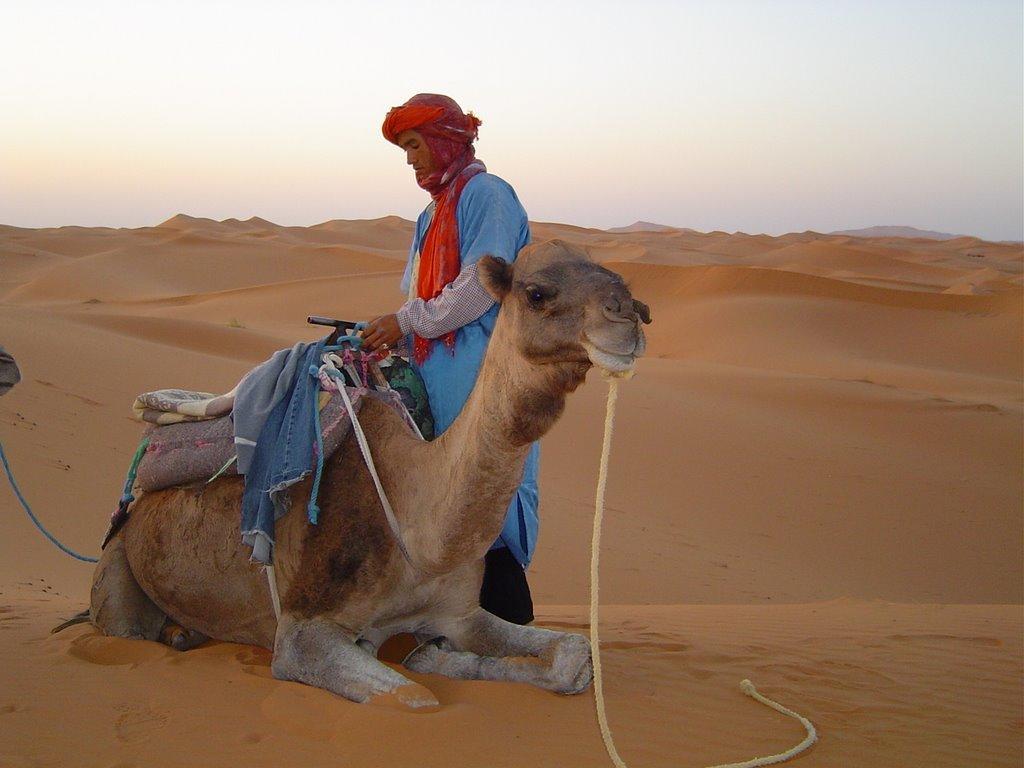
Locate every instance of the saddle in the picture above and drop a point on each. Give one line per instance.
(192, 451)
(192, 436)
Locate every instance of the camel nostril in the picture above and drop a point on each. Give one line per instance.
(621, 316)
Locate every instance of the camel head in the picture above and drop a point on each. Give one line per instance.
(559, 307)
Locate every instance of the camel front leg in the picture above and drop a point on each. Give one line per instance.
(484, 647)
(318, 652)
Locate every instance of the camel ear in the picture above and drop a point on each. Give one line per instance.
(495, 276)
(643, 310)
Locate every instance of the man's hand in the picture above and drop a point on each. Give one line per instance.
(381, 333)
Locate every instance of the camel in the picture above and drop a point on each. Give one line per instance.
(179, 572)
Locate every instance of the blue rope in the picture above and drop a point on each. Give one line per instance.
(46, 533)
(355, 341)
(312, 510)
(127, 497)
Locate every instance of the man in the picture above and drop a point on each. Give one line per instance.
(448, 317)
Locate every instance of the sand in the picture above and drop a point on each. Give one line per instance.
(815, 483)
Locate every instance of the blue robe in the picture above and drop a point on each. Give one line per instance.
(492, 222)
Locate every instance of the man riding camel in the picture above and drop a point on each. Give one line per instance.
(448, 317)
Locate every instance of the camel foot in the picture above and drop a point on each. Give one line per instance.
(179, 638)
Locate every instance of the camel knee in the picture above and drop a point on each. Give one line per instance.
(318, 652)
(306, 648)
(290, 648)
(117, 604)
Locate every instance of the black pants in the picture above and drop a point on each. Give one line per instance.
(505, 592)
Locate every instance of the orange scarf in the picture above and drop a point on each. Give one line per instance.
(440, 261)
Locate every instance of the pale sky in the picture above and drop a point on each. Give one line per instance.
(755, 116)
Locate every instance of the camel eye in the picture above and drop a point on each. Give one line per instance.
(537, 295)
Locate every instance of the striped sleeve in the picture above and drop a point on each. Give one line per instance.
(460, 302)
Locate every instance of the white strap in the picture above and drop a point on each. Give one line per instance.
(272, 581)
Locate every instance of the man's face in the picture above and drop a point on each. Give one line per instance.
(417, 154)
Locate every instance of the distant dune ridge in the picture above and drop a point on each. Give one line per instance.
(891, 231)
(814, 483)
(879, 231)
(641, 226)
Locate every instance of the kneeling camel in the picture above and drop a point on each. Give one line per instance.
(344, 585)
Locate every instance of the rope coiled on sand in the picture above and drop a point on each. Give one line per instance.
(595, 549)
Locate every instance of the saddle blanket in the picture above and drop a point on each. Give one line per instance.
(194, 451)
(173, 406)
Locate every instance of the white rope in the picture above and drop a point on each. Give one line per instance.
(274, 596)
(595, 554)
(595, 642)
(364, 446)
(748, 688)
(332, 379)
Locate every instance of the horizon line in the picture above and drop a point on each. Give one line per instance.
(656, 228)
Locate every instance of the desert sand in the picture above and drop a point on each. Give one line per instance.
(815, 483)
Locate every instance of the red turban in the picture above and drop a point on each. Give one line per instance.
(449, 134)
(431, 114)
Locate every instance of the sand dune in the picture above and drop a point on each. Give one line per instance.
(815, 483)
(830, 259)
(193, 335)
(190, 263)
(702, 282)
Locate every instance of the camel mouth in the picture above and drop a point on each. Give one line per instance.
(609, 361)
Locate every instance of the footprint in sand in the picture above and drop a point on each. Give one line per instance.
(989, 641)
(113, 651)
(9, 619)
(254, 655)
(83, 398)
(300, 710)
(663, 647)
(256, 661)
(137, 722)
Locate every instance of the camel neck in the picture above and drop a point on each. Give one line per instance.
(480, 458)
